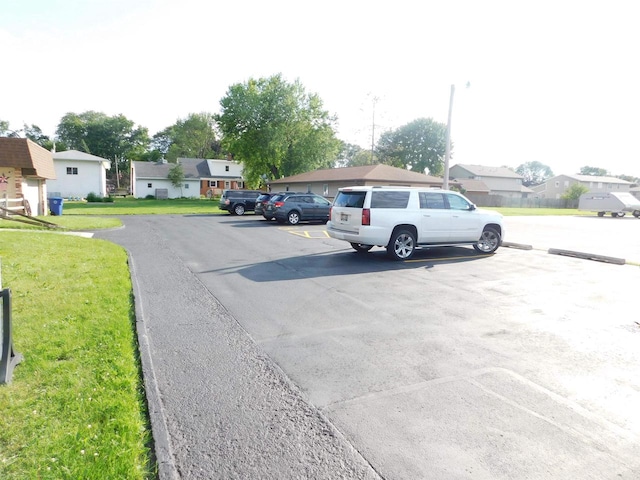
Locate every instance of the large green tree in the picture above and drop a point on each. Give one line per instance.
(534, 173)
(351, 155)
(194, 137)
(276, 129)
(599, 172)
(419, 145)
(113, 137)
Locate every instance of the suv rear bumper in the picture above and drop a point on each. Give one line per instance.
(365, 235)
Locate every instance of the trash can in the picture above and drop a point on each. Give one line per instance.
(55, 205)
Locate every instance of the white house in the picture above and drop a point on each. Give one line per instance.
(78, 174)
(149, 178)
(223, 175)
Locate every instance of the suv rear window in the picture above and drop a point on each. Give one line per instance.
(389, 199)
(350, 199)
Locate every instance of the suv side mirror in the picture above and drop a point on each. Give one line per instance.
(472, 207)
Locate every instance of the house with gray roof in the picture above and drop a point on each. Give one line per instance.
(152, 178)
(499, 180)
(555, 187)
(78, 174)
(326, 182)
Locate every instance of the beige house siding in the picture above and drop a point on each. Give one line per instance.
(556, 186)
(499, 180)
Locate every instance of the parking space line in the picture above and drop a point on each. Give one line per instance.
(311, 234)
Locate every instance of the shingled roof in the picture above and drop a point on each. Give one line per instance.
(193, 168)
(377, 173)
(30, 157)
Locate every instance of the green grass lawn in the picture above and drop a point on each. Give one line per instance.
(76, 406)
(514, 211)
(138, 206)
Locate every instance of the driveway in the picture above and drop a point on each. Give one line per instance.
(280, 353)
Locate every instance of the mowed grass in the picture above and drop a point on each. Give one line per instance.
(65, 222)
(138, 206)
(515, 211)
(76, 406)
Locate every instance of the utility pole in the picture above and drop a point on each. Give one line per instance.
(447, 155)
(373, 126)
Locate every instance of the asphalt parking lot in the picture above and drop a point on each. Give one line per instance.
(278, 352)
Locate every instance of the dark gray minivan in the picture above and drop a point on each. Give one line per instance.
(236, 202)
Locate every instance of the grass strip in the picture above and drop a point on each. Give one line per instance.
(76, 406)
(143, 206)
(74, 223)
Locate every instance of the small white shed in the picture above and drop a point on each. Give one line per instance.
(78, 174)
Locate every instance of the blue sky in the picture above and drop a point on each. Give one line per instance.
(556, 82)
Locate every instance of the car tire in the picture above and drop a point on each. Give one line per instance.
(636, 213)
(293, 217)
(489, 241)
(360, 248)
(601, 214)
(238, 209)
(402, 245)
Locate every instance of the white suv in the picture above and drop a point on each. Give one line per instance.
(405, 218)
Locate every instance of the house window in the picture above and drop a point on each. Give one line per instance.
(213, 183)
(600, 185)
(149, 185)
(186, 185)
(227, 184)
(557, 184)
(308, 188)
(325, 189)
(226, 168)
(566, 183)
(72, 170)
(240, 184)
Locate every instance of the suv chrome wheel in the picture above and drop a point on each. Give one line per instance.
(489, 241)
(402, 245)
(238, 209)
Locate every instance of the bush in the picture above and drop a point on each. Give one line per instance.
(93, 198)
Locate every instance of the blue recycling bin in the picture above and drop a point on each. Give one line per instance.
(55, 205)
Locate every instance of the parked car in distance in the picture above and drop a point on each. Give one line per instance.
(236, 202)
(402, 219)
(261, 202)
(294, 207)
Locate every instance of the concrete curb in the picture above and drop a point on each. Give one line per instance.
(587, 256)
(572, 253)
(519, 246)
(163, 452)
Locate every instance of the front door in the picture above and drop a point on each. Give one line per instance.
(466, 224)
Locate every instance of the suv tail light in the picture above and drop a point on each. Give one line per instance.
(278, 204)
(366, 216)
